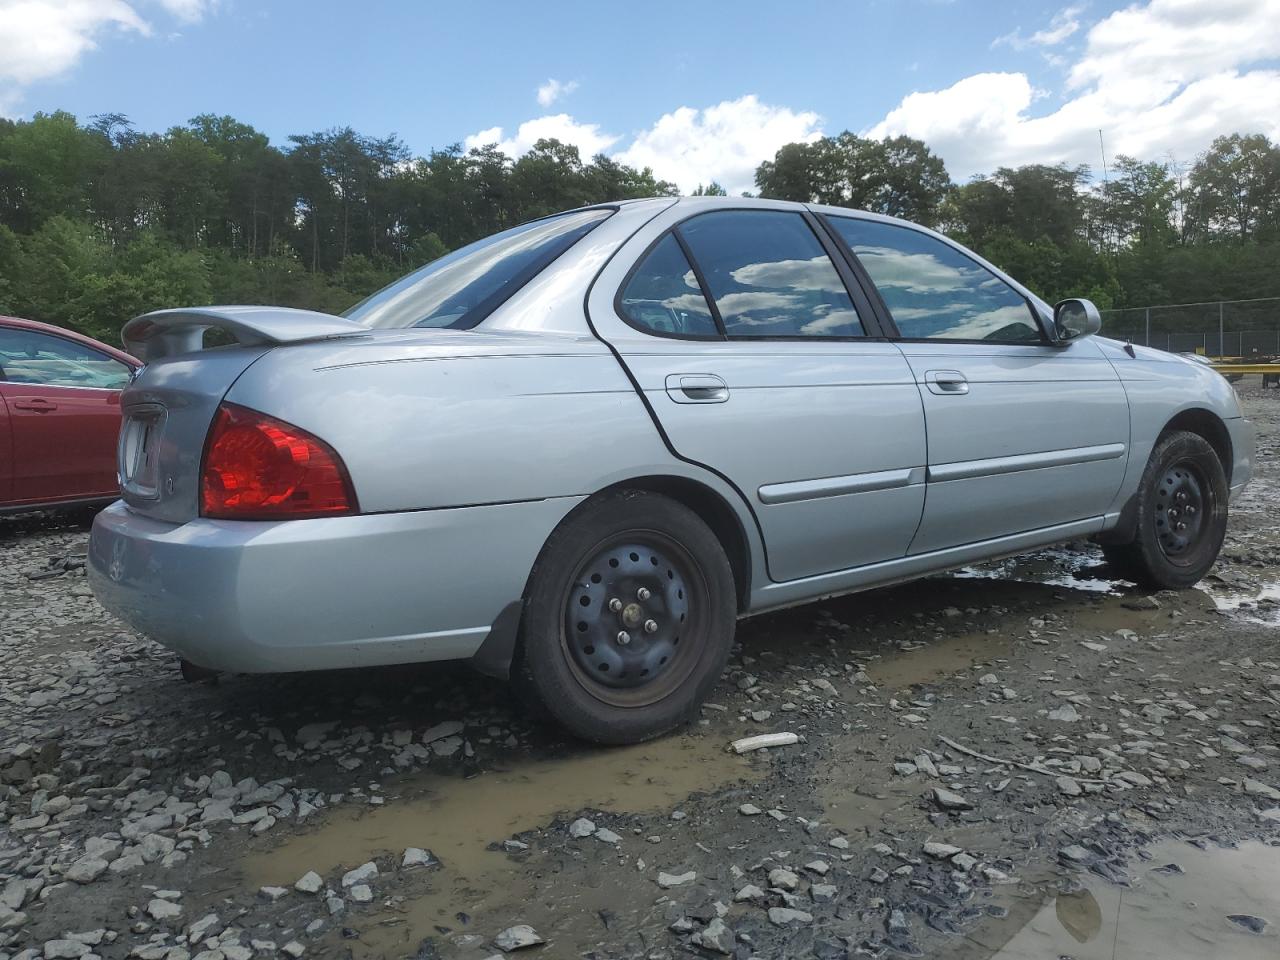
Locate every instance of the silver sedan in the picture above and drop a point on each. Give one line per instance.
(576, 452)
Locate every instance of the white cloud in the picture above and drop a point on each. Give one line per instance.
(482, 138)
(815, 274)
(1063, 25)
(1179, 40)
(192, 11)
(587, 137)
(688, 146)
(553, 90)
(44, 39)
(40, 39)
(725, 142)
(1162, 77)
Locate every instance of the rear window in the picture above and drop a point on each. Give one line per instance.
(460, 289)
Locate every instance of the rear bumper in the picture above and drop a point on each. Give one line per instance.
(1243, 447)
(265, 597)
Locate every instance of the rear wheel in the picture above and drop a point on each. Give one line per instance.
(1181, 516)
(628, 619)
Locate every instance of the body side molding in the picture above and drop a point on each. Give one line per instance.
(839, 486)
(966, 469)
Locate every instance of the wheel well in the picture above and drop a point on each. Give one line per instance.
(1209, 426)
(715, 512)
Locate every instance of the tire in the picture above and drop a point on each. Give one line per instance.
(1183, 472)
(1120, 560)
(639, 667)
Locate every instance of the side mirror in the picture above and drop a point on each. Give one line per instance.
(1073, 319)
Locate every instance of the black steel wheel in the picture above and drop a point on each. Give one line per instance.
(1180, 501)
(626, 613)
(628, 618)
(1180, 515)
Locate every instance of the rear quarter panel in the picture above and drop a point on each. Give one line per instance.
(424, 427)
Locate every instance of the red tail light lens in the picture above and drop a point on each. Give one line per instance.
(260, 468)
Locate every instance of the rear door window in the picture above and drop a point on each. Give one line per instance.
(663, 295)
(768, 275)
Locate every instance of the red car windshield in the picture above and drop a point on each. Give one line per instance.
(460, 289)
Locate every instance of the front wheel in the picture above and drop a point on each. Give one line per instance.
(628, 619)
(1181, 516)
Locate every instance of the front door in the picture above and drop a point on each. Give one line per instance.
(1023, 434)
(751, 346)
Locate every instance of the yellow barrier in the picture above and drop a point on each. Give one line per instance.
(1267, 369)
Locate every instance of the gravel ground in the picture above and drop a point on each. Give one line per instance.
(991, 763)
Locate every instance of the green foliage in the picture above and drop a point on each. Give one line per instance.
(898, 176)
(100, 222)
(10, 254)
(67, 274)
(1235, 190)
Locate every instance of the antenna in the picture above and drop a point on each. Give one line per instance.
(1102, 148)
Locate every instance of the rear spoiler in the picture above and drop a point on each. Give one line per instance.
(166, 333)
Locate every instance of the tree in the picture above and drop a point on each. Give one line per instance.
(252, 180)
(898, 176)
(550, 177)
(1234, 189)
(1137, 203)
(48, 167)
(1028, 202)
(100, 220)
(609, 180)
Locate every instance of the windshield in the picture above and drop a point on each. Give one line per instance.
(461, 289)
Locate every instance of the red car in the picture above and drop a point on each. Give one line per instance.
(59, 416)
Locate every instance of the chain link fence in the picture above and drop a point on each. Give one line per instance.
(1249, 329)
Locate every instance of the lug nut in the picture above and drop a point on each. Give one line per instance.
(623, 637)
(1190, 510)
(615, 604)
(643, 593)
(650, 626)
(1180, 527)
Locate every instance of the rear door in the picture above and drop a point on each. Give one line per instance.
(757, 352)
(63, 400)
(1022, 433)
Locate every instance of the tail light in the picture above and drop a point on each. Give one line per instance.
(260, 468)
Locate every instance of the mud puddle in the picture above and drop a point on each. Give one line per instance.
(458, 819)
(864, 814)
(1185, 903)
(1055, 567)
(1255, 603)
(932, 661)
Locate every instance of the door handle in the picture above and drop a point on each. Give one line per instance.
(946, 382)
(697, 388)
(37, 404)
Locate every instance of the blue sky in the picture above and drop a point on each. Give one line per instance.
(697, 91)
